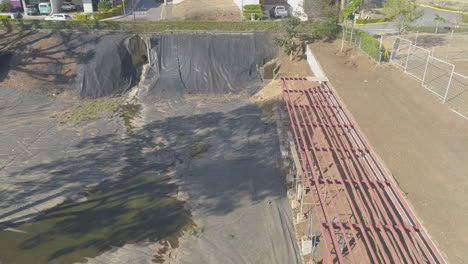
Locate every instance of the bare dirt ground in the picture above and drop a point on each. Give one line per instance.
(224, 10)
(267, 97)
(461, 66)
(420, 140)
(51, 63)
(442, 45)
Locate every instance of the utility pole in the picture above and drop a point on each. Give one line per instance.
(133, 1)
(123, 3)
(242, 10)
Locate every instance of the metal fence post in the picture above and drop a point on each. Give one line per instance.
(392, 53)
(448, 85)
(450, 43)
(425, 69)
(407, 56)
(342, 40)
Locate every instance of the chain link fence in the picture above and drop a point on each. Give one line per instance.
(447, 46)
(366, 43)
(435, 74)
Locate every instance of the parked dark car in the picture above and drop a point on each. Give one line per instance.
(32, 10)
(278, 12)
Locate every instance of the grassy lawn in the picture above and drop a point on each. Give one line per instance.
(129, 210)
(87, 110)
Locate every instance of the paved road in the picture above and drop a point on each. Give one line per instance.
(427, 19)
(146, 10)
(429, 14)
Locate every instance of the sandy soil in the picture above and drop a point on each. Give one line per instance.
(266, 97)
(420, 140)
(51, 65)
(203, 10)
(461, 67)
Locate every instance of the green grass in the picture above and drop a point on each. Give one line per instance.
(129, 210)
(140, 26)
(195, 231)
(128, 112)
(86, 110)
(198, 148)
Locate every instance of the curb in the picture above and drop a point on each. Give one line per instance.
(377, 23)
(441, 9)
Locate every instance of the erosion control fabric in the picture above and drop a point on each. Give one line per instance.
(109, 66)
(208, 64)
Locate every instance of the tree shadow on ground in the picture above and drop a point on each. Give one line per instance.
(237, 170)
(49, 58)
(429, 41)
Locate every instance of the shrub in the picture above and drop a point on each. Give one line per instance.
(372, 20)
(252, 7)
(370, 45)
(258, 15)
(104, 6)
(111, 13)
(4, 6)
(465, 18)
(83, 17)
(4, 17)
(199, 148)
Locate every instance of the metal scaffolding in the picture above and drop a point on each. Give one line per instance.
(358, 215)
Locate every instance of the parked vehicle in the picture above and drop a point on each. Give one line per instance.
(68, 7)
(58, 17)
(45, 8)
(32, 10)
(278, 12)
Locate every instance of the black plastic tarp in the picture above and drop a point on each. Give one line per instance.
(208, 63)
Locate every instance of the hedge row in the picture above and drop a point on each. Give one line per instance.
(4, 17)
(83, 16)
(465, 18)
(140, 26)
(258, 15)
(253, 9)
(372, 20)
(111, 13)
(369, 44)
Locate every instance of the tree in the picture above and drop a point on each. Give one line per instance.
(438, 19)
(351, 8)
(4, 6)
(323, 16)
(289, 30)
(403, 13)
(104, 6)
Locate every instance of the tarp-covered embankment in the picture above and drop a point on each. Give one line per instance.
(207, 63)
(112, 67)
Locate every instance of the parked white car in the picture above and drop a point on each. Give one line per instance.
(58, 17)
